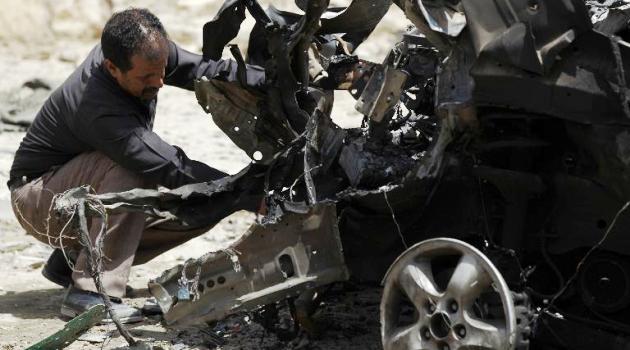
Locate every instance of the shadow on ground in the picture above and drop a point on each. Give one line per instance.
(32, 304)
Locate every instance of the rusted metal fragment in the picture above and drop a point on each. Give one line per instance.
(382, 92)
(342, 72)
(454, 85)
(309, 24)
(284, 54)
(269, 263)
(410, 65)
(366, 165)
(235, 111)
(310, 159)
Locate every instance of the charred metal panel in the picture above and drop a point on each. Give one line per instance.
(194, 205)
(580, 88)
(222, 29)
(235, 111)
(579, 223)
(367, 166)
(454, 85)
(269, 263)
(520, 32)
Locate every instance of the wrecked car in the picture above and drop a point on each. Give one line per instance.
(486, 189)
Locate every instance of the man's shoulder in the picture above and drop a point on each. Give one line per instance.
(102, 93)
(83, 84)
(101, 96)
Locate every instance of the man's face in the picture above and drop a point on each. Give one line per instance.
(146, 76)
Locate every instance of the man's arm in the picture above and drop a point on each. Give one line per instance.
(127, 142)
(184, 67)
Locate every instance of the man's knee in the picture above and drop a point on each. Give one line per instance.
(32, 201)
(118, 178)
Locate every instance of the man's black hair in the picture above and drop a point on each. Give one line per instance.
(128, 32)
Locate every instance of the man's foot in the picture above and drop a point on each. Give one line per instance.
(77, 301)
(57, 270)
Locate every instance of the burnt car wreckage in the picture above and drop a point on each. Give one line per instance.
(496, 138)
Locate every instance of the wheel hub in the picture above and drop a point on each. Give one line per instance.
(440, 325)
(463, 306)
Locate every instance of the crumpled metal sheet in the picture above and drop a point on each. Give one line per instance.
(257, 45)
(443, 16)
(382, 92)
(519, 32)
(358, 16)
(600, 9)
(224, 27)
(351, 25)
(365, 167)
(412, 11)
(454, 85)
(591, 78)
(236, 112)
(270, 262)
(194, 205)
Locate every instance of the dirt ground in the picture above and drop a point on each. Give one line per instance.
(46, 39)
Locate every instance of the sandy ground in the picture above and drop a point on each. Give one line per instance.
(47, 39)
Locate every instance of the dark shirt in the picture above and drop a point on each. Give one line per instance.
(90, 112)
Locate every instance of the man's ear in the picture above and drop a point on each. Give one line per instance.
(111, 67)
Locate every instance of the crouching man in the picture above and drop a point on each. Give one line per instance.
(96, 129)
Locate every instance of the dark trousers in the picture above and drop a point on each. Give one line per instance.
(127, 241)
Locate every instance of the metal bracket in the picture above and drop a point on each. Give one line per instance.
(271, 262)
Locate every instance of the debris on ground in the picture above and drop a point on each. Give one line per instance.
(73, 329)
